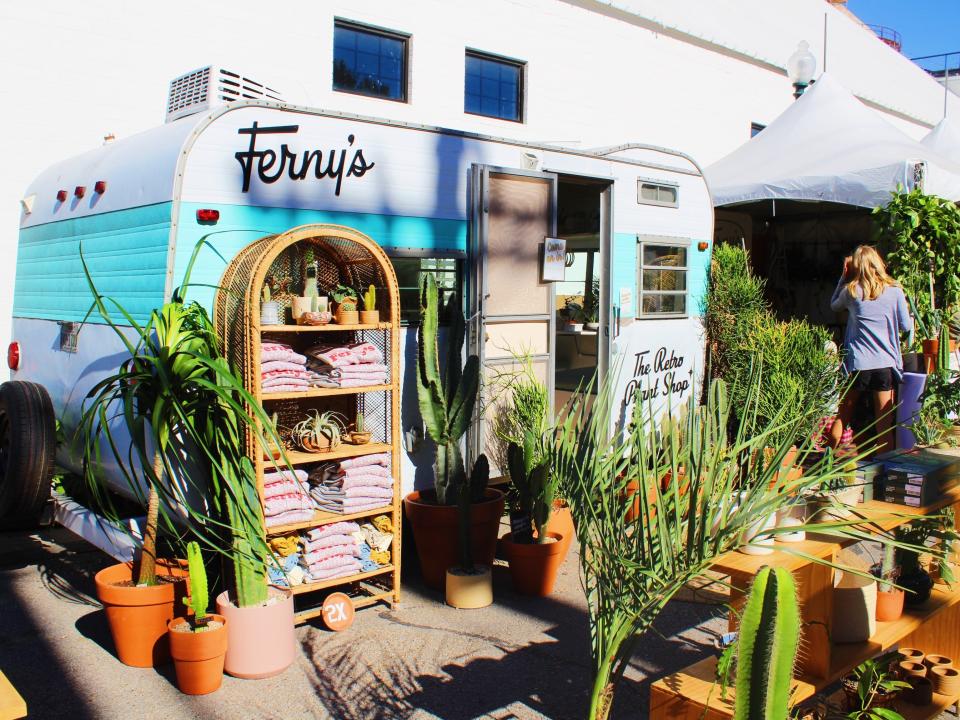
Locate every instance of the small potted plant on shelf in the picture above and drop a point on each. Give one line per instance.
(914, 579)
(345, 310)
(198, 642)
(269, 308)
(459, 510)
(360, 435)
(871, 689)
(889, 597)
(319, 432)
(534, 560)
(573, 315)
(370, 315)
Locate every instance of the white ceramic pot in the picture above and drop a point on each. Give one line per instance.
(854, 608)
(260, 640)
(300, 306)
(756, 541)
(791, 516)
(270, 313)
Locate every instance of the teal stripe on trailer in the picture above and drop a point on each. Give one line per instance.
(126, 252)
(239, 225)
(697, 277)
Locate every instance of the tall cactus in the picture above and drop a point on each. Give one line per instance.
(943, 351)
(446, 402)
(370, 298)
(767, 647)
(535, 487)
(199, 599)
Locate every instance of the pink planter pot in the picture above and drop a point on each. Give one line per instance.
(260, 640)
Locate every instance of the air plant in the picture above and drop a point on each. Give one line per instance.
(319, 431)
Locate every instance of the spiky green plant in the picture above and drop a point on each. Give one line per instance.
(534, 485)
(370, 298)
(767, 647)
(187, 419)
(446, 400)
(199, 600)
(632, 564)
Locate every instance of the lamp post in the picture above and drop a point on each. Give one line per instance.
(800, 68)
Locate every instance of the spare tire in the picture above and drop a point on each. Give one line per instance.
(28, 444)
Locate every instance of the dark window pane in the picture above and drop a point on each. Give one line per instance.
(664, 279)
(655, 304)
(664, 256)
(368, 62)
(447, 272)
(498, 84)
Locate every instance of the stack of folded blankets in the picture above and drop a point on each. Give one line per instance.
(353, 485)
(282, 369)
(285, 498)
(346, 366)
(331, 551)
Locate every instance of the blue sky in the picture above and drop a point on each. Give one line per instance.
(926, 26)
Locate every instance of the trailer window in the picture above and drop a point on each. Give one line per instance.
(370, 61)
(657, 193)
(446, 270)
(493, 86)
(662, 281)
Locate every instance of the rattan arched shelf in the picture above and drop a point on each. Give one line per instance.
(342, 256)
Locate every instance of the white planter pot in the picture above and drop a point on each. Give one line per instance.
(854, 608)
(791, 516)
(755, 540)
(270, 313)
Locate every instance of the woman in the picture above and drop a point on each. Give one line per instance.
(878, 313)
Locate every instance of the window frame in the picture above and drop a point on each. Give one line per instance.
(641, 181)
(459, 271)
(644, 241)
(383, 32)
(521, 66)
(756, 128)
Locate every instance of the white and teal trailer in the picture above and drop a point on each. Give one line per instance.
(635, 222)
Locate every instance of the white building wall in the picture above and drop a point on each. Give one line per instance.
(687, 74)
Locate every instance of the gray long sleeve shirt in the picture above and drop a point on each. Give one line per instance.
(872, 338)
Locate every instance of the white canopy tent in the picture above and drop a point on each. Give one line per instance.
(944, 140)
(828, 146)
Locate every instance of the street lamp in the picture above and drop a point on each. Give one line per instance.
(800, 68)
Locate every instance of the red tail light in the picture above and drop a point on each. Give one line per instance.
(206, 215)
(100, 187)
(79, 191)
(62, 195)
(13, 356)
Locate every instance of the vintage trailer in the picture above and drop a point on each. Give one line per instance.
(630, 222)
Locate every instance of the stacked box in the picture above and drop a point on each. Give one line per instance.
(918, 479)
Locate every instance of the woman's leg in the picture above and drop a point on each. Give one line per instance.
(844, 416)
(883, 411)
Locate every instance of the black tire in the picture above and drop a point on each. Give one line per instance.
(28, 444)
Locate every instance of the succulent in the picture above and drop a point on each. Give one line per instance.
(198, 600)
(319, 429)
(370, 298)
(348, 306)
(534, 485)
(358, 425)
(343, 292)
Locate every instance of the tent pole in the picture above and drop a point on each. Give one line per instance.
(824, 42)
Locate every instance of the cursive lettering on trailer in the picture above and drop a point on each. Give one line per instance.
(271, 165)
(649, 371)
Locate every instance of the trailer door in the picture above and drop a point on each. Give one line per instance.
(511, 310)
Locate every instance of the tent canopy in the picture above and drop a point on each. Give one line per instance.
(944, 140)
(829, 146)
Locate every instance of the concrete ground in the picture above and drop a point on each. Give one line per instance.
(520, 658)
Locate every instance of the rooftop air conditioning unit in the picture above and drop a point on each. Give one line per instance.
(211, 87)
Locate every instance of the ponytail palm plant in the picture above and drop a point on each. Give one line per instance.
(640, 546)
(176, 421)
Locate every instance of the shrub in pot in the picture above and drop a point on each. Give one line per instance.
(914, 579)
(873, 685)
(458, 508)
(889, 597)
(534, 561)
(198, 642)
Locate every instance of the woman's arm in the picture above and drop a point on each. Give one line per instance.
(904, 318)
(839, 300)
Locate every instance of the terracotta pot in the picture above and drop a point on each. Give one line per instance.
(930, 350)
(534, 567)
(561, 523)
(311, 446)
(889, 605)
(138, 616)
(198, 656)
(369, 317)
(946, 680)
(911, 654)
(880, 699)
(933, 660)
(436, 537)
(910, 669)
(348, 317)
(260, 640)
(360, 438)
(469, 591)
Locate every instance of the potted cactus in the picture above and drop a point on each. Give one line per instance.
(370, 315)
(319, 432)
(345, 305)
(360, 434)
(447, 404)
(198, 642)
(534, 561)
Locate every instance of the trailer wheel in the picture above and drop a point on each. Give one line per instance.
(28, 444)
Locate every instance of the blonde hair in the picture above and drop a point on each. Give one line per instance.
(868, 271)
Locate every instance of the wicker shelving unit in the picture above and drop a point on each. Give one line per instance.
(342, 255)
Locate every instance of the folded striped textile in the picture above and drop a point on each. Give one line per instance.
(284, 487)
(328, 541)
(371, 481)
(352, 505)
(274, 351)
(366, 491)
(337, 528)
(280, 366)
(283, 503)
(286, 387)
(317, 556)
(366, 352)
(332, 355)
(321, 575)
(348, 370)
(362, 460)
(333, 562)
(274, 476)
(290, 516)
(360, 381)
(378, 470)
(285, 375)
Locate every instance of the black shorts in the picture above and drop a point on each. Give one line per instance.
(873, 380)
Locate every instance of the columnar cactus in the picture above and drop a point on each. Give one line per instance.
(767, 647)
(535, 489)
(943, 351)
(198, 600)
(370, 298)
(446, 402)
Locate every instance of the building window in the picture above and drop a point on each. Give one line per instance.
(368, 61)
(410, 270)
(494, 87)
(662, 277)
(653, 192)
(755, 129)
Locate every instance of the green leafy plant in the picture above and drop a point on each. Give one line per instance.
(920, 237)
(929, 428)
(521, 404)
(342, 293)
(319, 430)
(176, 419)
(199, 600)
(766, 647)
(915, 536)
(533, 483)
(573, 311)
(873, 679)
(370, 298)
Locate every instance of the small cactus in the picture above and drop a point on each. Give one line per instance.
(198, 599)
(370, 298)
(358, 425)
(348, 306)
